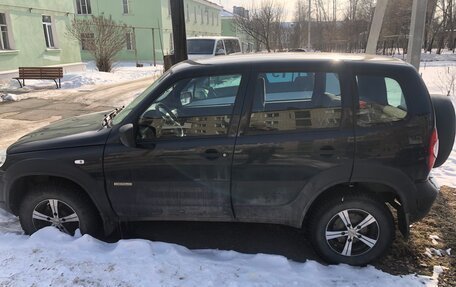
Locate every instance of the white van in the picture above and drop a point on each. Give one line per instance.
(206, 47)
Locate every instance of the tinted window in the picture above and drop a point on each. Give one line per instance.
(193, 107)
(200, 46)
(297, 100)
(381, 100)
(232, 46)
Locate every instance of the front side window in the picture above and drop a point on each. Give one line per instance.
(125, 7)
(83, 7)
(200, 106)
(4, 40)
(381, 100)
(129, 41)
(48, 34)
(289, 101)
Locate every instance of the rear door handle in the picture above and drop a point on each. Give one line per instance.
(212, 154)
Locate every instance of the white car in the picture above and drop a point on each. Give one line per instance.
(207, 47)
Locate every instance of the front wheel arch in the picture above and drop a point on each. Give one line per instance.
(24, 185)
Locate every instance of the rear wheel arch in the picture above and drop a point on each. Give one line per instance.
(380, 191)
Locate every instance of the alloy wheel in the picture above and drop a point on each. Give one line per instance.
(53, 212)
(352, 232)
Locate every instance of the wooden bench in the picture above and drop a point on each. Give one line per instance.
(40, 73)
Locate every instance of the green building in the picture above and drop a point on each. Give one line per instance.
(33, 33)
(150, 20)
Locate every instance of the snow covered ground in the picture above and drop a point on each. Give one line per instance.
(51, 258)
(88, 79)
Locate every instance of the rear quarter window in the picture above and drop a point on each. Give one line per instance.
(381, 100)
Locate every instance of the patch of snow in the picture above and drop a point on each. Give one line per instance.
(8, 98)
(122, 72)
(51, 258)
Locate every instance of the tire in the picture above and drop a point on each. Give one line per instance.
(367, 243)
(74, 210)
(446, 126)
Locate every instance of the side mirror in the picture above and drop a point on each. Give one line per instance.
(127, 135)
(220, 52)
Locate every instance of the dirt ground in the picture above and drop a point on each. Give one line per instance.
(409, 256)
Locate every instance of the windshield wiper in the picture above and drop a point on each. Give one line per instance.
(107, 121)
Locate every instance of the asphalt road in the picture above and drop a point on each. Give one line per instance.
(44, 107)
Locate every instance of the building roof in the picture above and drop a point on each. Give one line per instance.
(207, 2)
(225, 13)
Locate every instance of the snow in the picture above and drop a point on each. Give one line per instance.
(122, 72)
(51, 258)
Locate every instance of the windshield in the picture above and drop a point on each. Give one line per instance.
(124, 113)
(200, 46)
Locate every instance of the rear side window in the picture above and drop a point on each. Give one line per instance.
(232, 46)
(381, 100)
(294, 101)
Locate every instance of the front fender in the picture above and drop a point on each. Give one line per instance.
(88, 176)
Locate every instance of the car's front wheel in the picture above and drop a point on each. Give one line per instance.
(351, 229)
(60, 206)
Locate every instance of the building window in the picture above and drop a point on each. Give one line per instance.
(47, 28)
(129, 39)
(195, 14)
(202, 16)
(212, 18)
(4, 40)
(207, 17)
(83, 7)
(125, 7)
(87, 41)
(187, 13)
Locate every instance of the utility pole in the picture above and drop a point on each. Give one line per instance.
(416, 37)
(309, 26)
(179, 34)
(376, 26)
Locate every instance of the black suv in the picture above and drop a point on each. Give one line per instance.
(330, 143)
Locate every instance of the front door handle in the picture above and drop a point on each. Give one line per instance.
(327, 151)
(212, 154)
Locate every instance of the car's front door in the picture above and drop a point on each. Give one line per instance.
(181, 167)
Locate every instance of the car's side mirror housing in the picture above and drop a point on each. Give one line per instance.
(127, 135)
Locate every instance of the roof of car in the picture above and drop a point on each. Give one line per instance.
(212, 38)
(280, 60)
(273, 57)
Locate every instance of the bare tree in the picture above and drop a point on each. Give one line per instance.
(262, 23)
(102, 37)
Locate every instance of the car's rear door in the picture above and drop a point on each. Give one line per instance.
(295, 139)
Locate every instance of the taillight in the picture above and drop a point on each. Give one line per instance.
(433, 149)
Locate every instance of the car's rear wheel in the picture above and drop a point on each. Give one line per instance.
(60, 206)
(351, 229)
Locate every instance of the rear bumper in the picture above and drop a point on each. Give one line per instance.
(425, 196)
